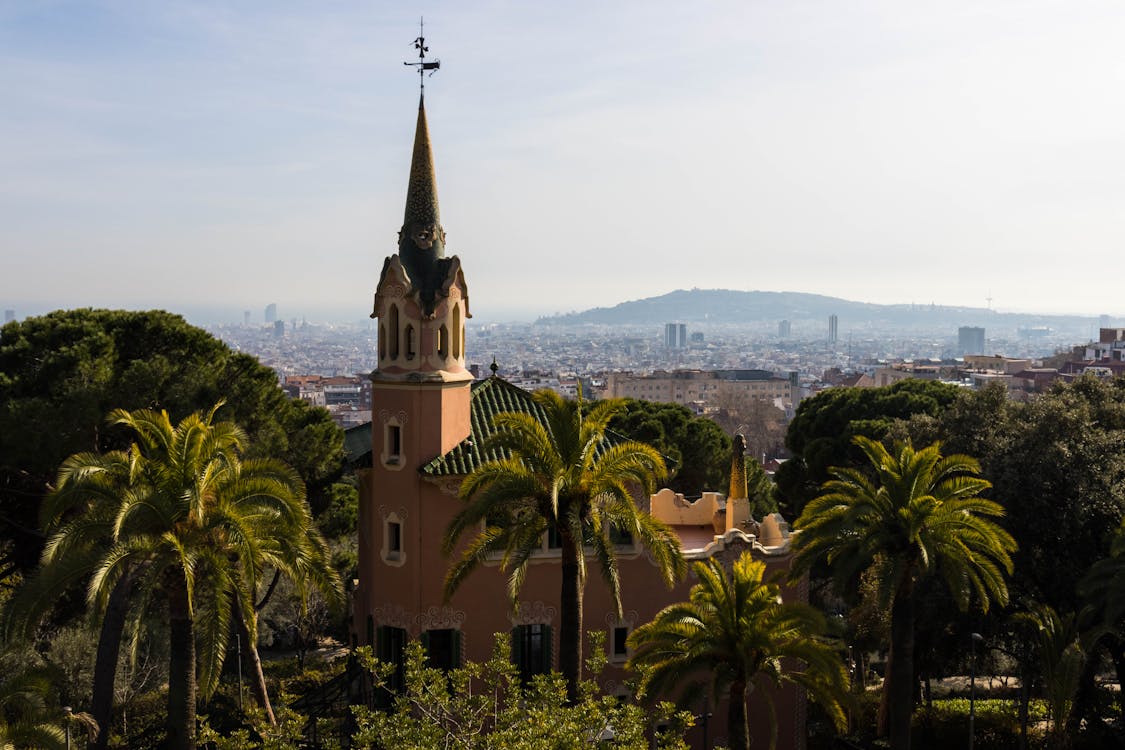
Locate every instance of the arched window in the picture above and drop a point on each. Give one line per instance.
(443, 341)
(456, 332)
(382, 342)
(410, 348)
(392, 330)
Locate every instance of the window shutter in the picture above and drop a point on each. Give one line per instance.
(545, 666)
(517, 646)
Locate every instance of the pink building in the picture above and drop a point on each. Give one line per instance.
(429, 419)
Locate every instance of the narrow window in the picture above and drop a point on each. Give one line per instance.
(531, 650)
(394, 540)
(456, 332)
(410, 347)
(382, 342)
(620, 648)
(554, 541)
(443, 341)
(390, 648)
(392, 330)
(394, 443)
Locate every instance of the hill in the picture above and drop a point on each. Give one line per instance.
(731, 306)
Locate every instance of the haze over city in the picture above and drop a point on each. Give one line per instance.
(194, 155)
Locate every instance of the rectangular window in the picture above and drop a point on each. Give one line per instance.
(443, 648)
(620, 649)
(554, 541)
(394, 443)
(531, 650)
(394, 540)
(390, 648)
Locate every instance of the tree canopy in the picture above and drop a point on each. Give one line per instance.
(697, 449)
(61, 373)
(820, 435)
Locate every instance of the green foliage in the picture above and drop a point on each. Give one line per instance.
(485, 707)
(562, 476)
(912, 516)
(179, 521)
(61, 373)
(820, 435)
(698, 448)
(731, 637)
(1057, 465)
(760, 489)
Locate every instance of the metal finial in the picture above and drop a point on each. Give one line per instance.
(494, 367)
(433, 66)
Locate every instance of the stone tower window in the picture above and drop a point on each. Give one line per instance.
(443, 341)
(456, 332)
(392, 330)
(410, 345)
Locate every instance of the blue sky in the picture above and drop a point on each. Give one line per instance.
(229, 154)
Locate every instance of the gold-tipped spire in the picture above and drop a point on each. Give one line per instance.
(421, 191)
(738, 489)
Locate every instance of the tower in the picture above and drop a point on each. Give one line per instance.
(420, 398)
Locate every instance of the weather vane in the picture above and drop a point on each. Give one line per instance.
(432, 66)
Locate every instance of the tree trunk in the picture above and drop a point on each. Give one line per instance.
(181, 667)
(1117, 653)
(257, 676)
(570, 616)
(1025, 702)
(738, 722)
(105, 663)
(898, 688)
(1084, 699)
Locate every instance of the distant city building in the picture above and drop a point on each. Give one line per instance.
(698, 388)
(696, 337)
(1103, 321)
(833, 329)
(246, 318)
(271, 313)
(675, 336)
(970, 340)
(9, 316)
(279, 328)
(784, 329)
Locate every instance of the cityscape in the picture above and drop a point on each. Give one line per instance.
(768, 389)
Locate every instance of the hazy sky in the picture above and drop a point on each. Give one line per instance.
(206, 153)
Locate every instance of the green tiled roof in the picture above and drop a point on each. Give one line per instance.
(490, 397)
(357, 446)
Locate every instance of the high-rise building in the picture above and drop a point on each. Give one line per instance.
(833, 328)
(246, 318)
(675, 335)
(9, 316)
(970, 340)
(784, 328)
(271, 312)
(279, 328)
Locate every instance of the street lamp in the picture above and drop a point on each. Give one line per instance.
(974, 638)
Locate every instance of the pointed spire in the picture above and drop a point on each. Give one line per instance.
(738, 489)
(421, 241)
(421, 192)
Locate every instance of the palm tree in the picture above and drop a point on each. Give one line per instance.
(561, 475)
(179, 520)
(1102, 617)
(921, 514)
(734, 632)
(1058, 651)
